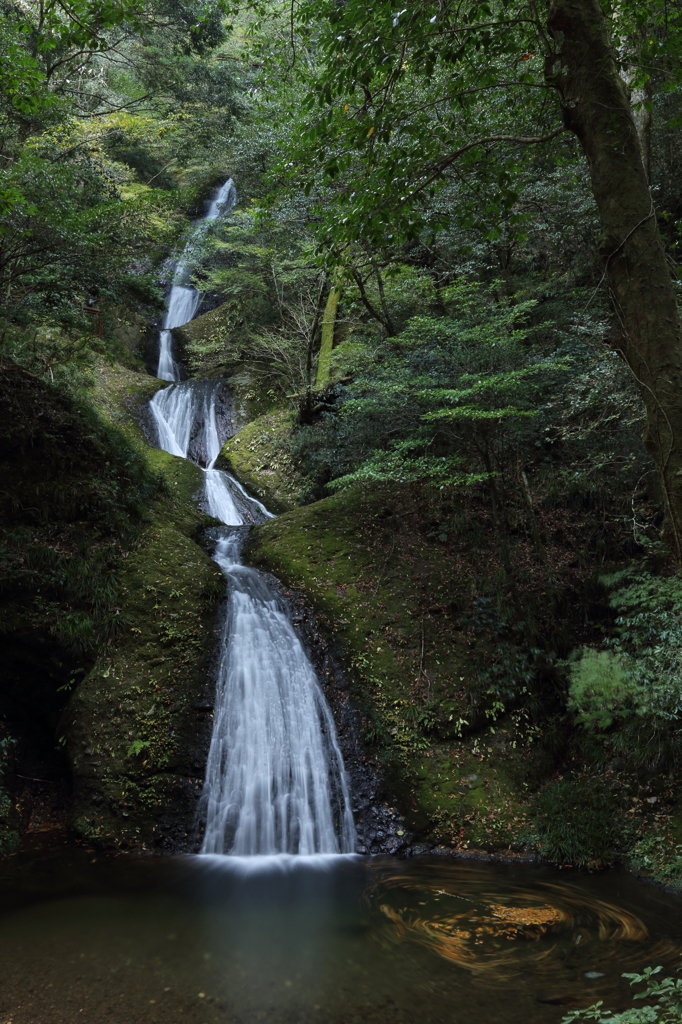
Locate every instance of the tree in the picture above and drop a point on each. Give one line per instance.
(581, 64)
(403, 102)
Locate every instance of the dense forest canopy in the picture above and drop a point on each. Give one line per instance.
(381, 132)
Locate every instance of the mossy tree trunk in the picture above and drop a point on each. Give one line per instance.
(596, 107)
(327, 343)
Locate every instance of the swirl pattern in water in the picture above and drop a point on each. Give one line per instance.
(559, 930)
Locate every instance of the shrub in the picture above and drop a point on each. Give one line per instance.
(665, 998)
(577, 821)
(630, 695)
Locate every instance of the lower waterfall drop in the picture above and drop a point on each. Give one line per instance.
(275, 780)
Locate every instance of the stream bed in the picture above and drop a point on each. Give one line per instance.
(230, 940)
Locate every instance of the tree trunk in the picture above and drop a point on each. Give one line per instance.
(324, 358)
(640, 95)
(596, 108)
(306, 409)
(640, 102)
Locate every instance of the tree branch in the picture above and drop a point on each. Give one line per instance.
(365, 299)
(525, 140)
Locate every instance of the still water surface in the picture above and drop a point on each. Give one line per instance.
(201, 940)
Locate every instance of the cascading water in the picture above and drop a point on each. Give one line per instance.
(187, 424)
(184, 299)
(275, 780)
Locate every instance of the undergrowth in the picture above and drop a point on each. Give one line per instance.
(579, 820)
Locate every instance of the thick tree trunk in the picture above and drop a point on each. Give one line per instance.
(596, 108)
(640, 95)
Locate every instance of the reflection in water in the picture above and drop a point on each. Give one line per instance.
(211, 940)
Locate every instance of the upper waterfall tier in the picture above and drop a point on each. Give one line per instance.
(184, 299)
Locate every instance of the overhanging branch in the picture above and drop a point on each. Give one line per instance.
(524, 140)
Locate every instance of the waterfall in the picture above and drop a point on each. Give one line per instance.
(275, 781)
(186, 420)
(184, 299)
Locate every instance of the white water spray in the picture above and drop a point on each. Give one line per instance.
(275, 781)
(184, 299)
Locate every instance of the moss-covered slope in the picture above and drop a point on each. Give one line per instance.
(457, 673)
(389, 600)
(259, 456)
(107, 601)
(138, 726)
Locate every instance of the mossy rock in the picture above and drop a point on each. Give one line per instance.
(259, 457)
(385, 597)
(138, 727)
(108, 601)
(212, 346)
(208, 345)
(119, 393)
(133, 336)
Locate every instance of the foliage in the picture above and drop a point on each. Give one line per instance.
(577, 821)
(395, 105)
(61, 256)
(629, 694)
(664, 997)
(272, 294)
(658, 855)
(136, 747)
(444, 402)
(599, 688)
(89, 115)
(65, 529)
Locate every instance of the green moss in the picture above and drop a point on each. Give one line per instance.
(137, 725)
(119, 394)
(327, 342)
(259, 456)
(72, 499)
(104, 583)
(132, 334)
(384, 597)
(208, 345)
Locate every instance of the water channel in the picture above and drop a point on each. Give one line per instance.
(276, 919)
